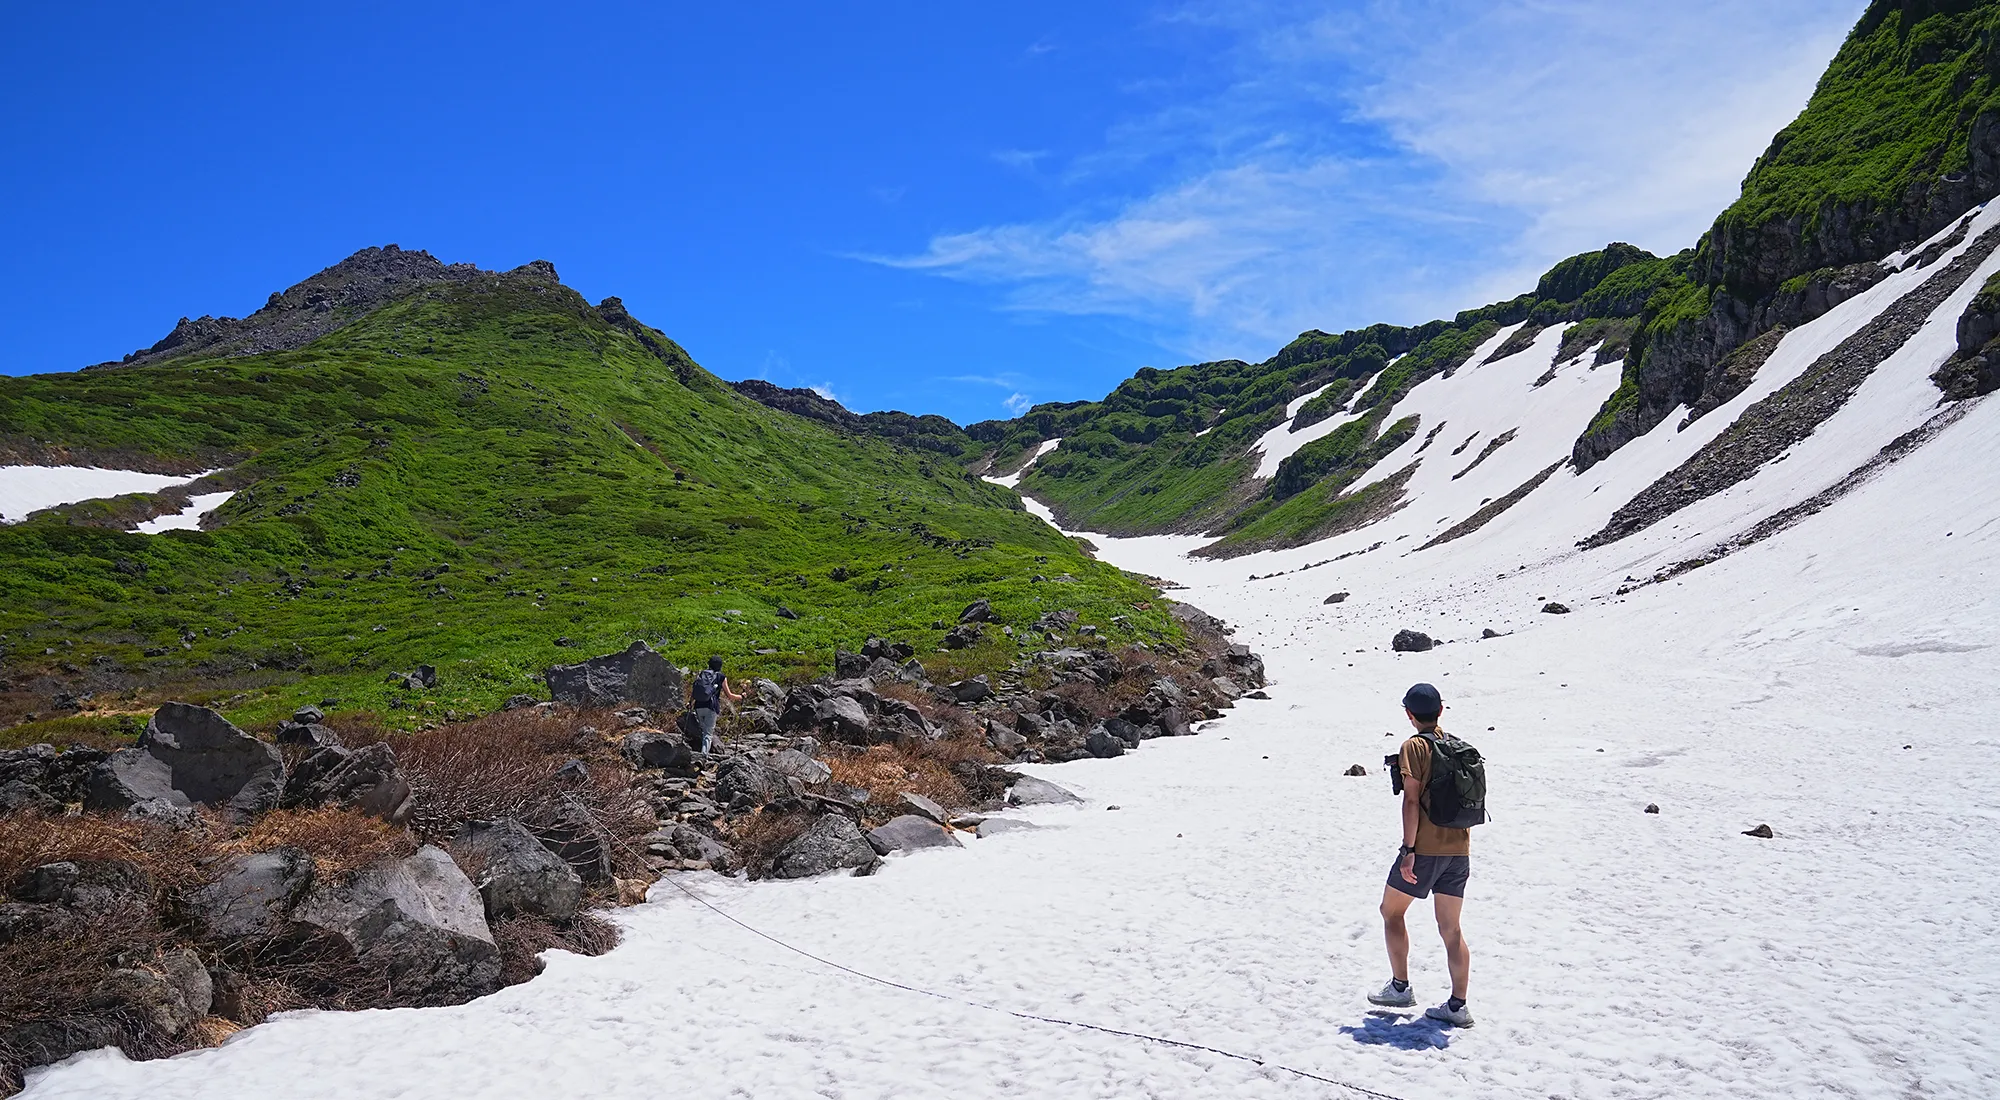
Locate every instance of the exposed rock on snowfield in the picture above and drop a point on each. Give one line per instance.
(833, 842)
(1412, 641)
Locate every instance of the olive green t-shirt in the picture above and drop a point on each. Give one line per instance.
(1431, 840)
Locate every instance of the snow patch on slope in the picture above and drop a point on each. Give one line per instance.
(26, 489)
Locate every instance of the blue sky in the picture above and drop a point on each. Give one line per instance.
(941, 207)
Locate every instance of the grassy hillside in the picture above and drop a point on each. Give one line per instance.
(488, 476)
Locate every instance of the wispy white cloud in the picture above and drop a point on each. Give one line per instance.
(1399, 160)
(1018, 403)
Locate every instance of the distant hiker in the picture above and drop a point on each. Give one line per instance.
(1443, 784)
(709, 689)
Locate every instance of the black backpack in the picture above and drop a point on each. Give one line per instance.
(1455, 797)
(708, 690)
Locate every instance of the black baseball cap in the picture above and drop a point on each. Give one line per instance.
(1423, 701)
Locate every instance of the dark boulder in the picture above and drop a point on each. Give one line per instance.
(1554, 608)
(849, 666)
(1412, 641)
(978, 611)
(974, 690)
(90, 886)
(638, 675)
(580, 839)
(162, 994)
(830, 843)
(188, 755)
(1337, 597)
(254, 896)
(420, 921)
(1125, 731)
(365, 779)
(1357, 769)
(515, 873)
(305, 733)
(644, 748)
(1102, 744)
(963, 636)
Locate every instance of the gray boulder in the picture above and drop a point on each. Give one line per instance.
(1004, 741)
(1125, 731)
(994, 826)
(187, 755)
(1029, 791)
(743, 782)
(646, 748)
(910, 832)
(638, 675)
(978, 611)
(254, 897)
(963, 636)
(794, 764)
(831, 843)
(515, 873)
(305, 733)
(419, 920)
(1412, 641)
(163, 995)
(1554, 608)
(923, 807)
(1174, 723)
(844, 718)
(1229, 688)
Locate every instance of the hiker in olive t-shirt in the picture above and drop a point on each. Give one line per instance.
(1432, 861)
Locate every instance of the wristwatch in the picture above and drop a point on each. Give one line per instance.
(1407, 849)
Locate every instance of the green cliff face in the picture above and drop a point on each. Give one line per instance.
(1901, 137)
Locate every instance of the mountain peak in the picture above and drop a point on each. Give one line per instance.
(334, 298)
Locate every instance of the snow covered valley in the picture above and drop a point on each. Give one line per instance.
(1835, 681)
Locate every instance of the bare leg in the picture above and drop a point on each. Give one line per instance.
(1394, 904)
(1456, 952)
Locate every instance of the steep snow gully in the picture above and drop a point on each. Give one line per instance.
(1835, 681)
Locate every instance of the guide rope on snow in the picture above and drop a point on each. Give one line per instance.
(1162, 1040)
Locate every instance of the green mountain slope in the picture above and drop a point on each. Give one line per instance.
(1171, 450)
(489, 475)
(1900, 138)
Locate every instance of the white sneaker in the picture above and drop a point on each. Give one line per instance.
(1461, 1017)
(1391, 997)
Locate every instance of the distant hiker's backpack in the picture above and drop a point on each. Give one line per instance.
(1456, 794)
(708, 690)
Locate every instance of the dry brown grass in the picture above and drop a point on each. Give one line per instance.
(340, 841)
(167, 854)
(885, 771)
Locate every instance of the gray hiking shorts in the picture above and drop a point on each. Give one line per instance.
(1445, 874)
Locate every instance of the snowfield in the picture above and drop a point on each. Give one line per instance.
(1836, 681)
(25, 489)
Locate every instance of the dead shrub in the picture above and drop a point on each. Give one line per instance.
(762, 835)
(340, 841)
(51, 972)
(168, 854)
(508, 764)
(521, 938)
(924, 768)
